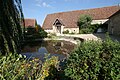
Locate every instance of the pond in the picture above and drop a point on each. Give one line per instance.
(40, 49)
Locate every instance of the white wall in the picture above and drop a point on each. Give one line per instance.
(99, 21)
(72, 30)
(49, 31)
(56, 31)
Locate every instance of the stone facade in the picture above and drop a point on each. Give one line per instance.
(114, 24)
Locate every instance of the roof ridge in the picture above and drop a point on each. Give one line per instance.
(84, 9)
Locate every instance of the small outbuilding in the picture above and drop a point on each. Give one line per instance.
(114, 24)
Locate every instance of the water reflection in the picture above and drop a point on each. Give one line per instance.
(56, 48)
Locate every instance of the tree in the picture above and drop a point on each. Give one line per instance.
(84, 21)
(10, 30)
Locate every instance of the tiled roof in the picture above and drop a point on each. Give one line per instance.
(70, 18)
(30, 22)
(118, 12)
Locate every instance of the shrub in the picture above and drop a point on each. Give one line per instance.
(52, 35)
(72, 33)
(43, 34)
(91, 29)
(86, 31)
(94, 27)
(32, 34)
(49, 69)
(94, 61)
(16, 67)
(66, 32)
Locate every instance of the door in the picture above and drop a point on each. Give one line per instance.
(59, 29)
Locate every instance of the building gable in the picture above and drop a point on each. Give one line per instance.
(30, 23)
(58, 22)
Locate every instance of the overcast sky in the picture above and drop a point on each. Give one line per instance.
(38, 9)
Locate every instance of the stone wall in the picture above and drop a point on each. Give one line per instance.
(114, 24)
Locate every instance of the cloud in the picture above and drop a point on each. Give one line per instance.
(41, 3)
(44, 4)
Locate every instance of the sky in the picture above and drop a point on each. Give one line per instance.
(38, 9)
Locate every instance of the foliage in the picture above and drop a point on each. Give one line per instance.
(91, 29)
(66, 32)
(16, 67)
(30, 31)
(42, 33)
(52, 35)
(49, 69)
(84, 21)
(85, 31)
(94, 27)
(11, 34)
(32, 34)
(94, 60)
(85, 26)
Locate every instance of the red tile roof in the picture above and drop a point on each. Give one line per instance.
(30, 23)
(70, 18)
(118, 12)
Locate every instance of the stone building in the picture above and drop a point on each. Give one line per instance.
(31, 23)
(114, 24)
(60, 22)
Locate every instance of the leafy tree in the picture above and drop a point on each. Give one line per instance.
(10, 30)
(84, 21)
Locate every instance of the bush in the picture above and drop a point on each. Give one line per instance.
(16, 67)
(94, 27)
(43, 34)
(52, 35)
(85, 31)
(91, 29)
(72, 33)
(94, 61)
(32, 34)
(66, 32)
(49, 69)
